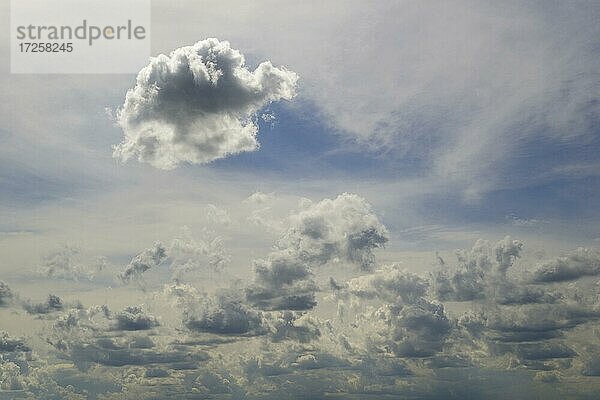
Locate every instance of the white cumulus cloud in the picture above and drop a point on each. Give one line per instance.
(198, 104)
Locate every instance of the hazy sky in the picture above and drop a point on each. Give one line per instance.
(315, 199)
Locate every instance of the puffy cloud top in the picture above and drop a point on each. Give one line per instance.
(223, 313)
(133, 318)
(343, 228)
(282, 282)
(581, 262)
(389, 283)
(480, 270)
(197, 105)
(147, 259)
(6, 294)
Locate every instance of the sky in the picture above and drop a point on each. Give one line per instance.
(355, 200)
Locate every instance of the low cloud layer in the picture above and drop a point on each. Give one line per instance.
(319, 314)
(197, 105)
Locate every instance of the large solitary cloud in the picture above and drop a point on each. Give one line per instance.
(197, 105)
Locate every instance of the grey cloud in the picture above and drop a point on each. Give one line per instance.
(507, 251)
(263, 218)
(335, 285)
(281, 269)
(10, 377)
(591, 360)
(581, 262)
(537, 351)
(343, 228)
(149, 258)
(391, 283)
(85, 353)
(289, 325)
(398, 334)
(156, 373)
(413, 331)
(96, 336)
(197, 105)
(515, 293)
(482, 273)
(9, 344)
(6, 294)
(379, 367)
(224, 316)
(523, 222)
(133, 318)
(102, 319)
(536, 321)
(223, 313)
(291, 361)
(425, 329)
(226, 313)
(52, 304)
(73, 323)
(219, 382)
(282, 282)
(467, 281)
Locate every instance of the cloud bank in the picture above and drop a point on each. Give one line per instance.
(319, 314)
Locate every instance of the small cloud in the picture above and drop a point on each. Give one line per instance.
(217, 215)
(523, 222)
(133, 318)
(71, 263)
(257, 198)
(269, 118)
(6, 294)
(149, 258)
